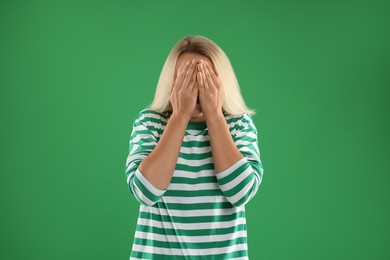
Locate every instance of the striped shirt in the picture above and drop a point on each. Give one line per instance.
(201, 214)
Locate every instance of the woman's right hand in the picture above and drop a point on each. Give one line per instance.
(184, 92)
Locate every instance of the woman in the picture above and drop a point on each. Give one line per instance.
(194, 161)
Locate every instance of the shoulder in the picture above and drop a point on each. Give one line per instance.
(147, 114)
(238, 120)
(238, 123)
(153, 120)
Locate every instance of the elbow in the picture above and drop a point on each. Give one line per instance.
(240, 182)
(143, 190)
(240, 193)
(245, 195)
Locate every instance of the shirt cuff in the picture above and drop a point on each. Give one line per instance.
(232, 168)
(147, 184)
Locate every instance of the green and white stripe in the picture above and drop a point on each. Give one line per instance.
(201, 214)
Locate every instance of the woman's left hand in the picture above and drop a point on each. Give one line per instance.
(211, 93)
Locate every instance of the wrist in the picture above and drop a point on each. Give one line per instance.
(214, 116)
(181, 117)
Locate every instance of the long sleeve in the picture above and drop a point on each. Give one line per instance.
(141, 144)
(240, 182)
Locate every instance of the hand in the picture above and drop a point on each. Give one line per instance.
(211, 92)
(185, 90)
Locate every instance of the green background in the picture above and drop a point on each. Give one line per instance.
(74, 74)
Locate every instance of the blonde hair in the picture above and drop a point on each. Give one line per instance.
(233, 104)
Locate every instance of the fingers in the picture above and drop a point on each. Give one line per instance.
(199, 79)
(200, 75)
(210, 75)
(181, 77)
(205, 81)
(192, 82)
(189, 73)
(213, 75)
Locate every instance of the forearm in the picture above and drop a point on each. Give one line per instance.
(224, 150)
(159, 165)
